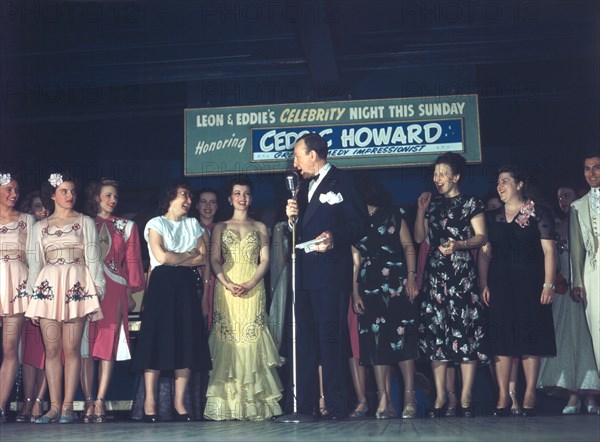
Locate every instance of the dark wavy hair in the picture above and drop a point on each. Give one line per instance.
(48, 190)
(373, 192)
(590, 155)
(315, 142)
(518, 173)
(456, 162)
(169, 193)
(238, 180)
(92, 192)
(27, 202)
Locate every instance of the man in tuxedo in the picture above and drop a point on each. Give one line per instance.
(584, 238)
(328, 207)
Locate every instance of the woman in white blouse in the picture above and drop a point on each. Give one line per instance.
(172, 335)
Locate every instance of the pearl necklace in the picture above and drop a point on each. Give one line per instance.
(510, 212)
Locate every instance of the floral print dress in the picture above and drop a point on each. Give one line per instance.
(388, 330)
(452, 326)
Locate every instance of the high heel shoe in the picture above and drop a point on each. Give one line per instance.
(593, 409)
(529, 412)
(358, 413)
(515, 409)
(501, 412)
(437, 411)
(39, 404)
(468, 411)
(410, 405)
(185, 417)
(572, 409)
(382, 413)
(25, 416)
(100, 410)
(66, 417)
(149, 418)
(451, 410)
(50, 417)
(88, 417)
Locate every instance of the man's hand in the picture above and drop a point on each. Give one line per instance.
(326, 244)
(291, 209)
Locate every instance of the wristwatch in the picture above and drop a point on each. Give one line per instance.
(548, 285)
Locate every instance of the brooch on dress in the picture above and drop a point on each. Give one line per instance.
(527, 210)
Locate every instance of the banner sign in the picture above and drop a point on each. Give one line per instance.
(360, 134)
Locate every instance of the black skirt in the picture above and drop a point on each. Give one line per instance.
(172, 333)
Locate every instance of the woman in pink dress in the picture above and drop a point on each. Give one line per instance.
(32, 345)
(15, 234)
(122, 264)
(65, 282)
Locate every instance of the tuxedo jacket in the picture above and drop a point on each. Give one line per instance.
(335, 206)
(581, 238)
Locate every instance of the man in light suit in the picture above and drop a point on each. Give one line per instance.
(328, 207)
(584, 234)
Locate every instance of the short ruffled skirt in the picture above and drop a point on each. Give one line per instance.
(13, 287)
(64, 292)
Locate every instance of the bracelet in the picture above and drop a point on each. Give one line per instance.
(207, 281)
(413, 272)
(465, 244)
(548, 285)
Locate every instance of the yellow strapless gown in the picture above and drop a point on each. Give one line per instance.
(243, 383)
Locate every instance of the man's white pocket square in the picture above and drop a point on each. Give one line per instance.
(331, 198)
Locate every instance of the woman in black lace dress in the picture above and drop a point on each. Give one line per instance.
(521, 285)
(452, 329)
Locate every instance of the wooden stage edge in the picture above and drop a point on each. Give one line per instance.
(486, 429)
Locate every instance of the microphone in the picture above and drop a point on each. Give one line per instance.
(291, 181)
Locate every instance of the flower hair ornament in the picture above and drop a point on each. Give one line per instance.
(55, 179)
(5, 179)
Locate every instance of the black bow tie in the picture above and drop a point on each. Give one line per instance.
(313, 178)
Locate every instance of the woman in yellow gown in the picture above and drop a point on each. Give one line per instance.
(243, 384)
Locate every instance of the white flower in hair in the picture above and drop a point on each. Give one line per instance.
(5, 179)
(55, 179)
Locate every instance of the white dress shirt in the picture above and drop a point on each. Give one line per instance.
(312, 186)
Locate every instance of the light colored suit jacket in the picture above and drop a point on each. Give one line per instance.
(581, 238)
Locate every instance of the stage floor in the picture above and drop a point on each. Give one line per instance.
(547, 428)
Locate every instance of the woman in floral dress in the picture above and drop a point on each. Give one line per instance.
(384, 298)
(65, 282)
(520, 286)
(451, 311)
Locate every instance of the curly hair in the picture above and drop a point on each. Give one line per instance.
(518, 173)
(27, 202)
(92, 192)
(373, 192)
(48, 190)
(455, 161)
(238, 180)
(169, 193)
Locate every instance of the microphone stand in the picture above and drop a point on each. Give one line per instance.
(294, 417)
